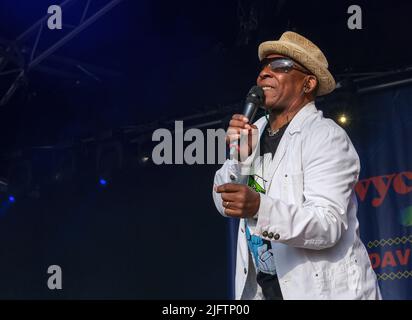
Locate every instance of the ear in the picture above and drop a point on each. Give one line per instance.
(311, 84)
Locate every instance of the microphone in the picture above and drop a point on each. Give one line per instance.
(254, 99)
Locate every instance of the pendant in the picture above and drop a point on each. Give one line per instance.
(272, 133)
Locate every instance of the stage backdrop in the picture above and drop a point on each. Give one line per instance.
(383, 140)
(381, 129)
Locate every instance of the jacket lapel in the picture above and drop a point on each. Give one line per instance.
(294, 127)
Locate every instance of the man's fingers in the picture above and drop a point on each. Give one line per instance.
(240, 117)
(234, 205)
(235, 213)
(232, 130)
(237, 124)
(228, 187)
(243, 131)
(233, 137)
(229, 196)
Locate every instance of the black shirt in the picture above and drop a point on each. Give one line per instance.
(270, 283)
(269, 143)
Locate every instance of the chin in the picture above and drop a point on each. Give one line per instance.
(273, 107)
(270, 104)
(271, 100)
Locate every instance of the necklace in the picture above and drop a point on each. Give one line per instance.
(272, 132)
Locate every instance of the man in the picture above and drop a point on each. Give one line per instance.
(294, 193)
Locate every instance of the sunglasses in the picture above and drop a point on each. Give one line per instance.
(281, 65)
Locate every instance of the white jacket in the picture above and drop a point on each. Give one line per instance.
(310, 208)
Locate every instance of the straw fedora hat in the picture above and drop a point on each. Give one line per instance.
(306, 53)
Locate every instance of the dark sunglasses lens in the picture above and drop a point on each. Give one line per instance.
(278, 65)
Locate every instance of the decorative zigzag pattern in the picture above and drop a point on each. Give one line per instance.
(390, 241)
(392, 275)
(305, 43)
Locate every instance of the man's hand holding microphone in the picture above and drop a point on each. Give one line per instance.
(239, 200)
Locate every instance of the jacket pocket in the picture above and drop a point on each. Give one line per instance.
(340, 281)
(293, 184)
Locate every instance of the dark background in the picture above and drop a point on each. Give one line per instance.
(151, 231)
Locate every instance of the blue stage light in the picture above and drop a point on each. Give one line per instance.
(12, 199)
(103, 182)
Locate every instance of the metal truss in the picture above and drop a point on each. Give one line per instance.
(30, 57)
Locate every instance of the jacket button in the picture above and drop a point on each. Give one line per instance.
(277, 236)
(270, 235)
(245, 270)
(232, 177)
(265, 233)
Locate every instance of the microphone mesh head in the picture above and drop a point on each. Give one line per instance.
(254, 99)
(256, 96)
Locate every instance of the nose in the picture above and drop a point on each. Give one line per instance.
(264, 74)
